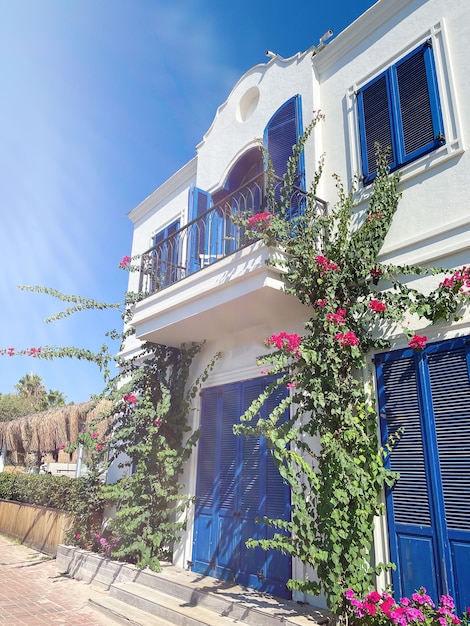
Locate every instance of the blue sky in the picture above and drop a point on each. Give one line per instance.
(101, 101)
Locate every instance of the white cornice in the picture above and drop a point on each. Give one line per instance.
(376, 16)
(183, 177)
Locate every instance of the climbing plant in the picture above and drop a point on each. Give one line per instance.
(328, 450)
(148, 437)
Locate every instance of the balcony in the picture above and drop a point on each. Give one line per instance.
(199, 279)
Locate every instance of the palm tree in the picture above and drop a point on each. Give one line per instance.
(52, 398)
(30, 386)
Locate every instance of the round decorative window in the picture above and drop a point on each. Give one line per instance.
(248, 103)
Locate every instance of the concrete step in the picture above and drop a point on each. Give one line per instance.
(156, 605)
(124, 614)
(182, 598)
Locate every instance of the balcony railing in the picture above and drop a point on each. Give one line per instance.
(213, 235)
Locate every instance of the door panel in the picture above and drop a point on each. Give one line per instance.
(241, 477)
(428, 395)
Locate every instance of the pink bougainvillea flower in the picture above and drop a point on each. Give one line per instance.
(373, 596)
(288, 342)
(94, 435)
(125, 261)
(377, 306)
(460, 280)
(321, 303)
(99, 447)
(417, 342)
(11, 351)
(129, 397)
(62, 448)
(325, 264)
(157, 422)
(347, 339)
(370, 608)
(337, 318)
(291, 385)
(260, 220)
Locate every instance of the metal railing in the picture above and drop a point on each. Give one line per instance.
(211, 236)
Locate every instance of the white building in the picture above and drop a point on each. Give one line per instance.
(397, 75)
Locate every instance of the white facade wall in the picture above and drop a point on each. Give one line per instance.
(433, 216)
(432, 222)
(238, 126)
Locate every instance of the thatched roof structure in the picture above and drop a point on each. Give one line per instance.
(49, 430)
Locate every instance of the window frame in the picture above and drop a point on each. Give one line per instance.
(400, 157)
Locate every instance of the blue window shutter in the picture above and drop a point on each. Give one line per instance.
(375, 124)
(400, 110)
(198, 203)
(400, 404)
(450, 391)
(281, 134)
(419, 112)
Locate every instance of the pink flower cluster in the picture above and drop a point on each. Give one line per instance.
(130, 398)
(260, 221)
(325, 264)
(418, 342)
(29, 352)
(290, 343)
(337, 318)
(347, 339)
(460, 279)
(125, 262)
(407, 611)
(377, 306)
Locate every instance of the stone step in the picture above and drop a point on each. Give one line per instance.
(124, 614)
(134, 595)
(160, 606)
(182, 598)
(247, 605)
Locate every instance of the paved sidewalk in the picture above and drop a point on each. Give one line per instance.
(33, 592)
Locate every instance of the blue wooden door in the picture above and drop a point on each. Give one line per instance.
(238, 484)
(427, 395)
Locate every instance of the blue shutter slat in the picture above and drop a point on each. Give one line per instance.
(402, 410)
(376, 124)
(228, 445)
(450, 389)
(207, 445)
(415, 103)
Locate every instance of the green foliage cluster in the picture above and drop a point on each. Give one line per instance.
(150, 428)
(56, 492)
(328, 451)
(32, 397)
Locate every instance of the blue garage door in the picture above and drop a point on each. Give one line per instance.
(427, 394)
(238, 484)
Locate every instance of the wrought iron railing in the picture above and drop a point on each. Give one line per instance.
(211, 236)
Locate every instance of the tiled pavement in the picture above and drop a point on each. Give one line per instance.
(33, 592)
